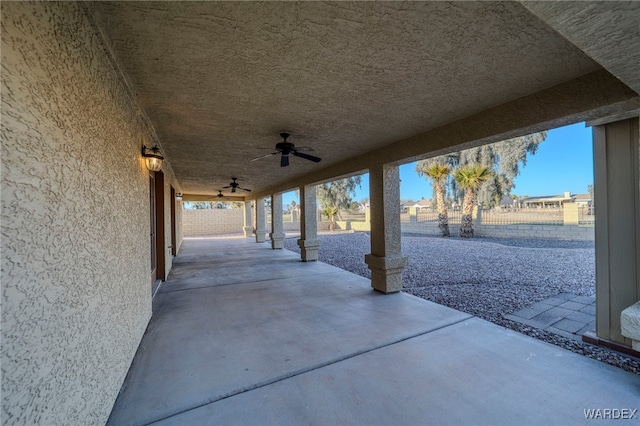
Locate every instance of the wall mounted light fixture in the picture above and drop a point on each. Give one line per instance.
(179, 196)
(153, 158)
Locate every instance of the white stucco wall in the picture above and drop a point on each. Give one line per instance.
(76, 293)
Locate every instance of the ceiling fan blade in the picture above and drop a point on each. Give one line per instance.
(284, 161)
(303, 149)
(263, 156)
(306, 156)
(227, 187)
(245, 189)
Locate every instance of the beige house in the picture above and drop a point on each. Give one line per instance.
(423, 205)
(88, 230)
(546, 201)
(583, 200)
(557, 201)
(507, 202)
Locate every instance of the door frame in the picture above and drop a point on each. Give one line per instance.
(153, 220)
(173, 222)
(160, 234)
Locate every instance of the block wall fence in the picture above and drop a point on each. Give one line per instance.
(548, 232)
(230, 221)
(212, 221)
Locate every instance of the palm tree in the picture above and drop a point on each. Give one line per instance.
(437, 171)
(469, 179)
(330, 213)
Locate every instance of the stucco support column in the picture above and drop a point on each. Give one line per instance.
(248, 219)
(616, 152)
(308, 242)
(385, 260)
(261, 221)
(277, 228)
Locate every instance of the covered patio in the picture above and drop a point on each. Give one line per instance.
(115, 113)
(243, 334)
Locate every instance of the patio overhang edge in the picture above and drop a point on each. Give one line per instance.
(592, 96)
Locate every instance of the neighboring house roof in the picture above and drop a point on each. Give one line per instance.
(506, 201)
(582, 198)
(566, 197)
(423, 203)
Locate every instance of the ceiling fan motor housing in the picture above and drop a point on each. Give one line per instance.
(285, 147)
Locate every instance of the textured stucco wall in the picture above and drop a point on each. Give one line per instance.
(76, 293)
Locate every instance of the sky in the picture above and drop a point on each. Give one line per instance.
(563, 162)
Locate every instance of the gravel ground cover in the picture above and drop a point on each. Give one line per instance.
(486, 277)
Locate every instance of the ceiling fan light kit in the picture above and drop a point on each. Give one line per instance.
(287, 148)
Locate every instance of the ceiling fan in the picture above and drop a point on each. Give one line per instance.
(285, 148)
(234, 186)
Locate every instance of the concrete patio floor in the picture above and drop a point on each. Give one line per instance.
(242, 334)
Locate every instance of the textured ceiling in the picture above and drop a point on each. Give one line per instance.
(220, 80)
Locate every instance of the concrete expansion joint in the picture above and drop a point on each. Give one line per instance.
(207, 287)
(292, 374)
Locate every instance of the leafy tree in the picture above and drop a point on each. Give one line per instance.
(470, 178)
(199, 205)
(236, 204)
(267, 204)
(504, 159)
(338, 194)
(354, 206)
(330, 213)
(438, 170)
(229, 205)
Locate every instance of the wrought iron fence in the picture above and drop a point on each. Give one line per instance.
(509, 216)
(454, 216)
(523, 216)
(586, 215)
(513, 216)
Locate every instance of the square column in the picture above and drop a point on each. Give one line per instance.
(308, 242)
(248, 219)
(385, 261)
(616, 157)
(277, 228)
(261, 221)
